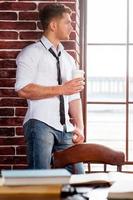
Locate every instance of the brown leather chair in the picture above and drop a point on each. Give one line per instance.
(88, 153)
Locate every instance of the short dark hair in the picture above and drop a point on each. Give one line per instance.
(50, 11)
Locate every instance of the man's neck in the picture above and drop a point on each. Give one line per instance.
(52, 39)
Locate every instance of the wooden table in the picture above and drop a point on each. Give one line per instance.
(51, 192)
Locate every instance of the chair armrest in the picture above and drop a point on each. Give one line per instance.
(94, 153)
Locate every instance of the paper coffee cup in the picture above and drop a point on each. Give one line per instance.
(78, 73)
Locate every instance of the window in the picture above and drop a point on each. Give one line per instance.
(110, 75)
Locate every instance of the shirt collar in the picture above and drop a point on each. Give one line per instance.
(49, 45)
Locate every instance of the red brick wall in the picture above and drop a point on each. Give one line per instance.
(19, 27)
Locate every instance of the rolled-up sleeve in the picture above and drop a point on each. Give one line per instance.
(74, 97)
(27, 62)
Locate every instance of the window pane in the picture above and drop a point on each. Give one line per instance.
(130, 133)
(131, 73)
(106, 125)
(106, 71)
(100, 167)
(106, 21)
(131, 21)
(128, 168)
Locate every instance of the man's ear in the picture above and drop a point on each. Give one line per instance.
(53, 25)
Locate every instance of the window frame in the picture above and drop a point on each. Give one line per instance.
(83, 65)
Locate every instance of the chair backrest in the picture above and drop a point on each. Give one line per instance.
(88, 153)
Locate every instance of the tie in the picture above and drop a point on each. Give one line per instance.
(62, 106)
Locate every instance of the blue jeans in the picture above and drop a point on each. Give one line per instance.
(42, 140)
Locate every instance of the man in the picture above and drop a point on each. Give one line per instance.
(45, 79)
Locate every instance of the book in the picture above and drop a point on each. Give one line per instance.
(122, 187)
(121, 190)
(92, 179)
(35, 177)
(100, 178)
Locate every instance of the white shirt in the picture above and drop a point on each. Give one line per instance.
(35, 64)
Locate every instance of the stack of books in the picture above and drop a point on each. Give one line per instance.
(121, 183)
(35, 177)
(53, 176)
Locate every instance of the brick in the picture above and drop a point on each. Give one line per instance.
(73, 36)
(13, 159)
(72, 53)
(7, 131)
(5, 166)
(10, 35)
(70, 5)
(8, 73)
(42, 4)
(14, 44)
(17, 6)
(73, 17)
(8, 16)
(20, 159)
(8, 93)
(39, 26)
(18, 25)
(30, 35)
(20, 166)
(74, 25)
(21, 150)
(19, 131)
(7, 64)
(11, 121)
(12, 102)
(20, 111)
(7, 151)
(69, 45)
(28, 16)
(8, 54)
(12, 141)
(6, 111)
(7, 82)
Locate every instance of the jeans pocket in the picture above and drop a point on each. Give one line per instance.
(27, 127)
(67, 138)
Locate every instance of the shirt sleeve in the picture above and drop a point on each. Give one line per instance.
(27, 62)
(76, 95)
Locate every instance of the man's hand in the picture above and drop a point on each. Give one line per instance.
(78, 136)
(73, 86)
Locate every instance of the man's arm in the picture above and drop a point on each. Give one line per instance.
(75, 110)
(35, 92)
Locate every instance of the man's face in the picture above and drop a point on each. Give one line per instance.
(63, 27)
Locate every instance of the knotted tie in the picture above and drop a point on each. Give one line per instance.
(59, 78)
